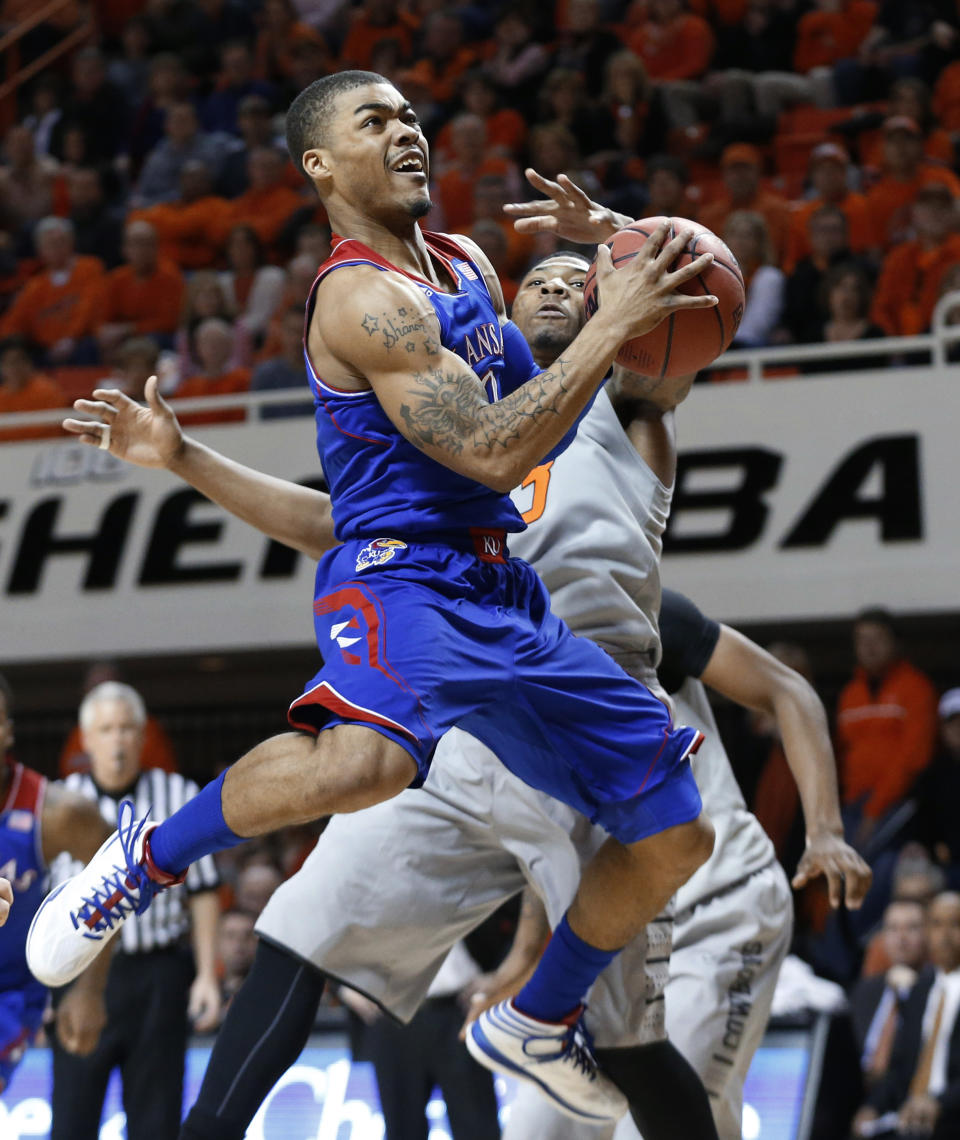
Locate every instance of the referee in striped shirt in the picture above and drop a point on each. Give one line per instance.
(157, 986)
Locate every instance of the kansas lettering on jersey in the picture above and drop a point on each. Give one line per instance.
(379, 482)
(21, 861)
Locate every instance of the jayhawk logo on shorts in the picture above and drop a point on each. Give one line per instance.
(379, 551)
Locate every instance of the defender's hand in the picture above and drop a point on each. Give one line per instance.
(146, 436)
(566, 212)
(638, 296)
(846, 873)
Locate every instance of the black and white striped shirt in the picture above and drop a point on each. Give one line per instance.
(168, 917)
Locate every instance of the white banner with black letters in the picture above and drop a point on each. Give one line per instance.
(795, 499)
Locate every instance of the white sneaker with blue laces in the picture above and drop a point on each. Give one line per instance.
(75, 921)
(556, 1057)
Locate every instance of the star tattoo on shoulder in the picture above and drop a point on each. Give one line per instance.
(410, 346)
(370, 323)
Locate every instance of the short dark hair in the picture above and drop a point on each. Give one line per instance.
(565, 254)
(878, 615)
(308, 114)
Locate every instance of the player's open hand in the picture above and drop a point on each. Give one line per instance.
(566, 211)
(641, 293)
(203, 1006)
(6, 899)
(148, 436)
(848, 875)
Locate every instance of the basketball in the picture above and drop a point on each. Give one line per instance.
(688, 339)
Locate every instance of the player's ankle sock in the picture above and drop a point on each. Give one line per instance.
(196, 829)
(568, 968)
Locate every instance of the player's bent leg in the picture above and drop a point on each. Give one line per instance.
(265, 1030)
(289, 779)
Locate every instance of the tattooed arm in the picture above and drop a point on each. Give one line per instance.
(382, 333)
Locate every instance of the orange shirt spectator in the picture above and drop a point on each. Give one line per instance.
(443, 57)
(56, 307)
(741, 165)
(828, 35)
(905, 172)
(280, 35)
(829, 164)
(143, 296)
(23, 389)
(378, 20)
(673, 44)
(213, 344)
(912, 272)
(187, 229)
(269, 203)
(886, 720)
(946, 97)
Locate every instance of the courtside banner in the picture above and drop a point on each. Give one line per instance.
(795, 499)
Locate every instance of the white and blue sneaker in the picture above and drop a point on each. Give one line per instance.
(75, 921)
(555, 1056)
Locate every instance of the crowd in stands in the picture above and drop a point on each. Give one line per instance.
(145, 191)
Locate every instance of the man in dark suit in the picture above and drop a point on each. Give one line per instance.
(920, 1094)
(876, 1002)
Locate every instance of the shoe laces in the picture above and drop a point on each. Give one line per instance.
(122, 890)
(578, 1050)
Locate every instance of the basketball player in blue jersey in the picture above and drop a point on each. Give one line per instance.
(429, 410)
(37, 822)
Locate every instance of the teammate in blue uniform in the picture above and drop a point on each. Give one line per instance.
(429, 410)
(37, 822)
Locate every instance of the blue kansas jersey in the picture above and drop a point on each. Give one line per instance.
(381, 484)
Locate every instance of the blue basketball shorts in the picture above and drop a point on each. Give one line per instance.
(419, 636)
(21, 1014)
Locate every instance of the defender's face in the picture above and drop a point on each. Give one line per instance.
(549, 302)
(377, 155)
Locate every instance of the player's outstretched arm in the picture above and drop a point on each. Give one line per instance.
(382, 331)
(6, 899)
(150, 436)
(748, 675)
(566, 211)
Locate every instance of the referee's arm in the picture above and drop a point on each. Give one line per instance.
(204, 1006)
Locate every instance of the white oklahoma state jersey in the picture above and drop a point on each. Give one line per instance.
(596, 519)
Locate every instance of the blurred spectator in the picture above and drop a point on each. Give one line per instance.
(56, 309)
(372, 22)
(489, 196)
(442, 55)
(468, 143)
(667, 183)
(221, 22)
(635, 105)
(909, 283)
(673, 43)
(26, 181)
(553, 150)
(845, 295)
(45, 112)
(506, 129)
(252, 289)
(938, 825)
(313, 241)
(207, 297)
(280, 32)
(255, 884)
(255, 125)
(748, 237)
(287, 370)
(301, 273)
(832, 31)
(188, 227)
(741, 166)
(95, 105)
(176, 26)
(157, 750)
(129, 71)
(235, 83)
(517, 61)
(143, 296)
(912, 98)
(805, 309)
(24, 389)
(905, 170)
(167, 85)
(269, 203)
(584, 44)
(829, 180)
(876, 1002)
(184, 142)
(946, 98)
(886, 725)
(922, 1086)
(236, 947)
(97, 224)
(916, 877)
(213, 346)
(493, 241)
(563, 100)
(134, 362)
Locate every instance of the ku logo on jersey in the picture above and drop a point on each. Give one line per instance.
(379, 551)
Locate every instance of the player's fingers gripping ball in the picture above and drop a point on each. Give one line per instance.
(688, 339)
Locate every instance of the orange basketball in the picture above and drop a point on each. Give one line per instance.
(689, 339)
